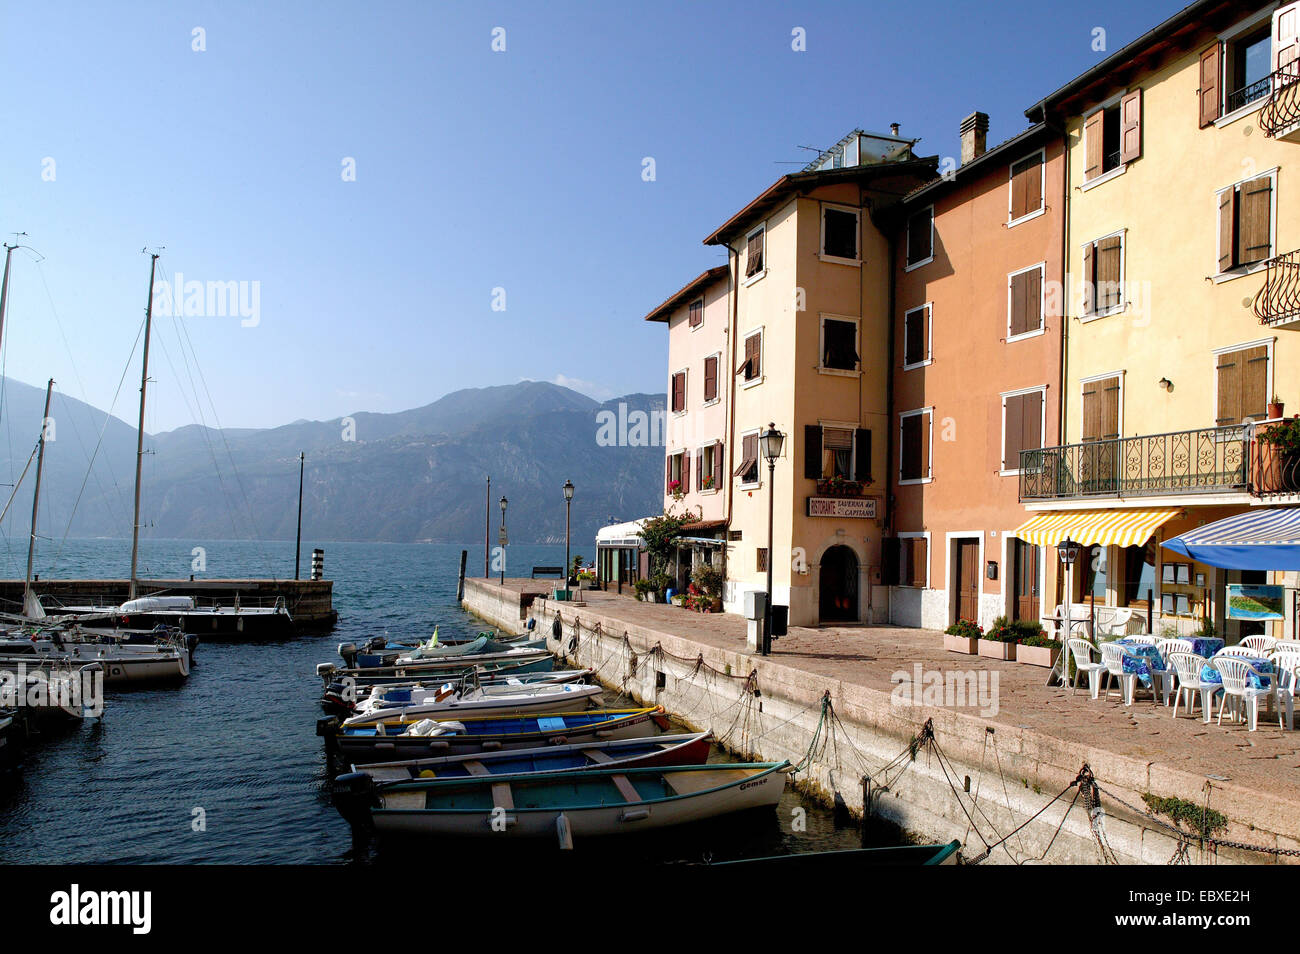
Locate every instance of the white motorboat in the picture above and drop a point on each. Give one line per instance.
(124, 664)
(450, 701)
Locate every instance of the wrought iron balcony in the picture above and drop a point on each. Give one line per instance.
(1280, 114)
(1209, 460)
(1278, 300)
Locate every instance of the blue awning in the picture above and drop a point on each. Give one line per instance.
(1258, 540)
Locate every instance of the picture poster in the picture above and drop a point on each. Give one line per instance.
(1255, 601)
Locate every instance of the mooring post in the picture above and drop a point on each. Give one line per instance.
(866, 810)
(460, 583)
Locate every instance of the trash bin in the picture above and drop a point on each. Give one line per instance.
(780, 620)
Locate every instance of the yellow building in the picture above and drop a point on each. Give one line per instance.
(1182, 198)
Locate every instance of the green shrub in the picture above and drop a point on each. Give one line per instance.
(965, 629)
(1200, 820)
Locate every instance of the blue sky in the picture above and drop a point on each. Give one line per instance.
(475, 170)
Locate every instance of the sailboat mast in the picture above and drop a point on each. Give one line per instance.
(297, 550)
(139, 433)
(4, 287)
(36, 498)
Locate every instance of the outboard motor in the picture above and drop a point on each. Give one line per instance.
(349, 653)
(325, 671)
(354, 796)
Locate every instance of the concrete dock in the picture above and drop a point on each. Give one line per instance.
(986, 774)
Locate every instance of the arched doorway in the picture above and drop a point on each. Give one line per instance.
(838, 586)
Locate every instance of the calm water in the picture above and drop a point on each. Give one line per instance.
(237, 741)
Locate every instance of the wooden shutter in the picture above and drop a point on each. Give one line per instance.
(1109, 408)
(679, 391)
(668, 473)
(862, 455)
(1093, 145)
(1209, 94)
(754, 355)
(919, 562)
(686, 472)
(914, 336)
(697, 313)
(812, 451)
(1107, 257)
(710, 378)
(1020, 303)
(1130, 126)
(717, 464)
(1089, 279)
(699, 469)
(1013, 426)
(1026, 187)
(1227, 229)
(1230, 388)
(1253, 232)
(754, 253)
(1254, 382)
(1031, 434)
(1286, 38)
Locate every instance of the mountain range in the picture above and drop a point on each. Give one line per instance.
(410, 476)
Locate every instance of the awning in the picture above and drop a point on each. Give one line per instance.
(1259, 540)
(1122, 528)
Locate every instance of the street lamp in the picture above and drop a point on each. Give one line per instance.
(568, 502)
(502, 539)
(770, 443)
(1068, 552)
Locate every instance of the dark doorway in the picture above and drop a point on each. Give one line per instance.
(838, 581)
(1024, 604)
(967, 559)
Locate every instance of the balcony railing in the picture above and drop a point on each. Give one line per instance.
(1282, 110)
(1278, 299)
(1209, 460)
(1248, 94)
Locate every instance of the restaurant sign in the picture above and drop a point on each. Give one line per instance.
(861, 508)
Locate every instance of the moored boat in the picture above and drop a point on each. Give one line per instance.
(450, 701)
(539, 659)
(344, 695)
(124, 663)
(564, 805)
(852, 858)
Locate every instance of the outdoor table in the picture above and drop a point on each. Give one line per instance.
(1205, 646)
(1148, 660)
(1265, 666)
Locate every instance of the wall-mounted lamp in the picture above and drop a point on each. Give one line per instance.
(1166, 384)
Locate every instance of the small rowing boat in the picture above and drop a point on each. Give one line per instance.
(540, 659)
(343, 695)
(563, 805)
(450, 701)
(423, 738)
(657, 752)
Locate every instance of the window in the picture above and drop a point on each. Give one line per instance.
(1025, 302)
(697, 313)
(1101, 404)
(748, 469)
(916, 337)
(840, 233)
(1022, 426)
(1236, 72)
(1243, 392)
(1103, 276)
(711, 378)
(914, 443)
(1139, 579)
(839, 344)
(906, 560)
(678, 391)
(1026, 187)
(678, 478)
(708, 465)
(1246, 223)
(761, 559)
(1112, 136)
(754, 251)
(751, 368)
(831, 451)
(920, 237)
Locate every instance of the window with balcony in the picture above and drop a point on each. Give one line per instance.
(1101, 408)
(915, 446)
(840, 233)
(1236, 72)
(1245, 224)
(920, 237)
(1103, 276)
(1112, 137)
(1022, 426)
(839, 346)
(1242, 379)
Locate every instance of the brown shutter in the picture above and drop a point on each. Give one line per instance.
(699, 469)
(1032, 421)
(1019, 201)
(1108, 255)
(1034, 300)
(1092, 410)
(1013, 426)
(1253, 231)
(1130, 125)
(1230, 388)
(679, 391)
(1019, 303)
(754, 253)
(717, 464)
(1034, 186)
(812, 451)
(1109, 408)
(862, 455)
(1089, 279)
(668, 473)
(1209, 94)
(1254, 382)
(919, 561)
(1227, 229)
(710, 378)
(697, 313)
(686, 472)
(924, 446)
(1093, 145)
(754, 353)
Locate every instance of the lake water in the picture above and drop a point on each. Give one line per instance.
(235, 747)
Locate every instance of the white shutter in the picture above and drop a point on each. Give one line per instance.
(1286, 35)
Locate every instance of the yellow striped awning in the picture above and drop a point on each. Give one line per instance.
(1123, 528)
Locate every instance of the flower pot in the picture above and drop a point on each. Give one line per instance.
(997, 649)
(1275, 409)
(960, 644)
(1266, 465)
(1044, 656)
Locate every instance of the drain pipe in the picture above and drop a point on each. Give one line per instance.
(733, 276)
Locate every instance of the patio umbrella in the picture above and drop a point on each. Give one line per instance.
(1265, 539)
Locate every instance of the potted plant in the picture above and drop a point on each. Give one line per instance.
(1038, 649)
(708, 580)
(707, 482)
(587, 580)
(1276, 461)
(661, 583)
(1000, 641)
(962, 637)
(644, 590)
(675, 488)
(839, 486)
(1275, 408)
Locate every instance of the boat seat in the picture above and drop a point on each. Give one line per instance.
(597, 756)
(625, 788)
(502, 796)
(688, 783)
(475, 767)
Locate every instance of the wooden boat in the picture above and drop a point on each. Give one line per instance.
(853, 858)
(394, 739)
(563, 805)
(392, 675)
(657, 752)
(342, 696)
(447, 664)
(383, 647)
(450, 701)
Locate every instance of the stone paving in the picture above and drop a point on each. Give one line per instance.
(1266, 760)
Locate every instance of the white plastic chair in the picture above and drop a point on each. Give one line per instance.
(1286, 665)
(1112, 657)
(1142, 639)
(1236, 673)
(1188, 665)
(1238, 652)
(1287, 645)
(1264, 644)
(1082, 651)
(1174, 644)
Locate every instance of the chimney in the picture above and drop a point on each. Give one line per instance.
(974, 136)
(893, 130)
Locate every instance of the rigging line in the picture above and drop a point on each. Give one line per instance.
(108, 416)
(30, 458)
(233, 466)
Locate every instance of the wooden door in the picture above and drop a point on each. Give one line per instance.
(968, 580)
(1025, 582)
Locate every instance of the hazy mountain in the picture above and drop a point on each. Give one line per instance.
(415, 475)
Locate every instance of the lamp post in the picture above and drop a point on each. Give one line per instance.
(487, 531)
(770, 443)
(568, 502)
(503, 540)
(1068, 552)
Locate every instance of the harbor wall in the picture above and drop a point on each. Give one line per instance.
(1011, 773)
